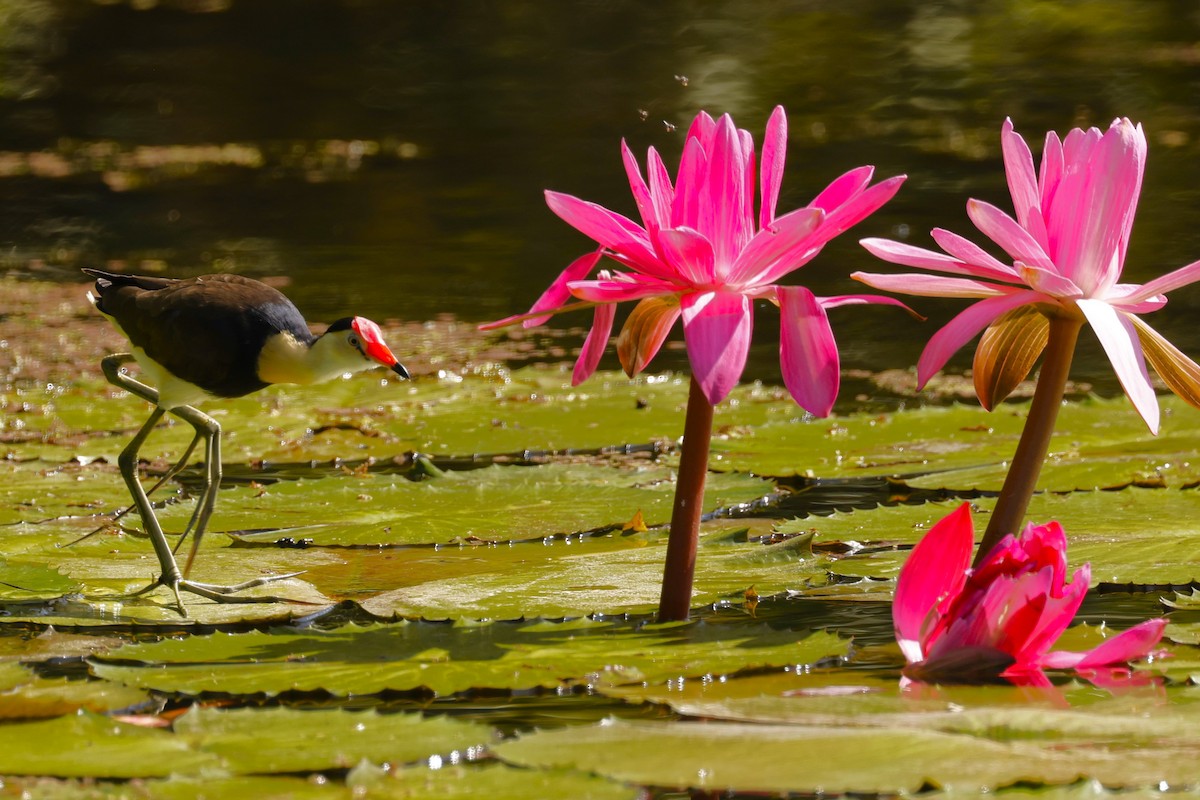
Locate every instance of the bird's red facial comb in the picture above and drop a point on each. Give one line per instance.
(373, 344)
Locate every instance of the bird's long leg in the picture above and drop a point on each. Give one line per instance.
(171, 577)
(168, 475)
(128, 461)
(208, 429)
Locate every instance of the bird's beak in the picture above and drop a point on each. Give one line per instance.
(399, 369)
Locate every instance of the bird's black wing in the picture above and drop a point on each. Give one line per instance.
(208, 330)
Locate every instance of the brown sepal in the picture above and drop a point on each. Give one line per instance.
(1179, 373)
(1007, 352)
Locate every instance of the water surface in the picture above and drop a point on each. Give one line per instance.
(390, 158)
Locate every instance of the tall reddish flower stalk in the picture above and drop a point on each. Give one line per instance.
(1067, 245)
(702, 254)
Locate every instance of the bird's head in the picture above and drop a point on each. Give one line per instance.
(359, 343)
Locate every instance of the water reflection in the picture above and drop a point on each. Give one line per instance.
(392, 158)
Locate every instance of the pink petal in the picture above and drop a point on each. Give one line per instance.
(559, 293)
(689, 255)
(1056, 617)
(716, 329)
(609, 229)
(1094, 207)
(1048, 282)
(843, 189)
(615, 291)
(982, 264)
(787, 238)
(808, 354)
(923, 285)
(774, 153)
(748, 183)
(702, 128)
(1018, 168)
(910, 256)
(965, 327)
(855, 211)
(933, 574)
(724, 219)
(594, 344)
(693, 166)
(1050, 173)
(1004, 231)
(861, 299)
(1120, 341)
(661, 190)
(1164, 283)
(1130, 645)
(999, 614)
(641, 192)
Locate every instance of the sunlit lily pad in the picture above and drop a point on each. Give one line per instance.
(780, 758)
(595, 577)
(1134, 536)
(494, 504)
(235, 741)
(495, 782)
(490, 780)
(1097, 444)
(447, 659)
(366, 416)
(52, 697)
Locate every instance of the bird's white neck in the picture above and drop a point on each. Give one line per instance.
(286, 359)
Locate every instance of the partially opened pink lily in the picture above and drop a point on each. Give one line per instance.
(1067, 245)
(1001, 618)
(703, 254)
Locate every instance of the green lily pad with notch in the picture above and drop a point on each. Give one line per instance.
(490, 780)
(85, 744)
(52, 697)
(179, 787)
(718, 756)
(1097, 444)
(238, 741)
(496, 504)
(1141, 715)
(32, 491)
(447, 659)
(495, 782)
(622, 575)
(533, 408)
(284, 740)
(1133, 536)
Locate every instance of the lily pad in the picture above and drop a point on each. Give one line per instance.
(494, 781)
(493, 504)
(1097, 444)
(717, 756)
(446, 659)
(592, 577)
(1111, 530)
(236, 741)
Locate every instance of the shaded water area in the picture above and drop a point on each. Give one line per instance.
(472, 563)
(390, 159)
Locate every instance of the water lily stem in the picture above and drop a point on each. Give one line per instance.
(1034, 444)
(676, 600)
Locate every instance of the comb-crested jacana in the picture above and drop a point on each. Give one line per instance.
(210, 337)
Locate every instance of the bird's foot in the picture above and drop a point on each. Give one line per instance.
(219, 593)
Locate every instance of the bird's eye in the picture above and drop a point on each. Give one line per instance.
(354, 342)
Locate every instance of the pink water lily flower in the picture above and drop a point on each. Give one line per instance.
(1001, 618)
(703, 254)
(1067, 245)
